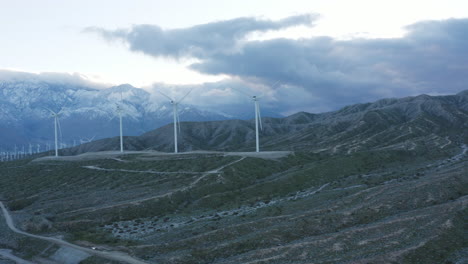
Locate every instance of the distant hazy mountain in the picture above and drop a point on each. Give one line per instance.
(407, 123)
(87, 113)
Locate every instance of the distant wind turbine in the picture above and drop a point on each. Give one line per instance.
(86, 140)
(56, 115)
(119, 112)
(176, 116)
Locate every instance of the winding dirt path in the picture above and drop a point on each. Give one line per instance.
(111, 255)
(215, 171)
(138, 201)
(145, 171)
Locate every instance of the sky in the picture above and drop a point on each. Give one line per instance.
(299, 55)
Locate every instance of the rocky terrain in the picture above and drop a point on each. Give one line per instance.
(383, 182)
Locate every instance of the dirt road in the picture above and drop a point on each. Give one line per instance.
(111, 255)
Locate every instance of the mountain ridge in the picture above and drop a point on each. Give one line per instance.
(86, 112)
(408, 122)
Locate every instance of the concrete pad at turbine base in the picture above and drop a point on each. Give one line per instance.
(148, 154)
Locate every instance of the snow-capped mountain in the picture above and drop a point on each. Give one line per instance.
(85, 112)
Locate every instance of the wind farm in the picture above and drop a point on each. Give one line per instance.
(226, 133)
(144, 201)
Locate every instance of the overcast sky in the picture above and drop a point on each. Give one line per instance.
(325, 54)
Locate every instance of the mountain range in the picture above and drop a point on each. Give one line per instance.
(86, 112)
(406, 123)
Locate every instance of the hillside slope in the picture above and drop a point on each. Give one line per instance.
(380, 206)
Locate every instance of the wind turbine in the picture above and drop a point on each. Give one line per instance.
(119, 112)
(176, 115)
(258, 118)
(56, 115)
(86, 140)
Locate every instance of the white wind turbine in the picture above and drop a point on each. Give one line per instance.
(119, 112)
(258, 118)
(56, 115)
(176, 115)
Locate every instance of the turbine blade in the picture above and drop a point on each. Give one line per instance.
(242, 92)
(52, 112)
(259, 116)
(177, 117)
(178, 122)
(276, 83)
(111, 119)
(183, 97)
(60, 129)
(63, 107)
(163, 94)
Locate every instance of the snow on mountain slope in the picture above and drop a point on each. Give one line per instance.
(85, 112)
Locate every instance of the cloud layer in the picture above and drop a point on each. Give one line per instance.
(199, 41)
(317, 73)
(60, 78)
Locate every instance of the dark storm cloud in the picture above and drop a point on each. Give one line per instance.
(199, 41)
(319, 73)
(431, 58)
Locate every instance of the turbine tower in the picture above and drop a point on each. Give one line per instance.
(175, 104)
